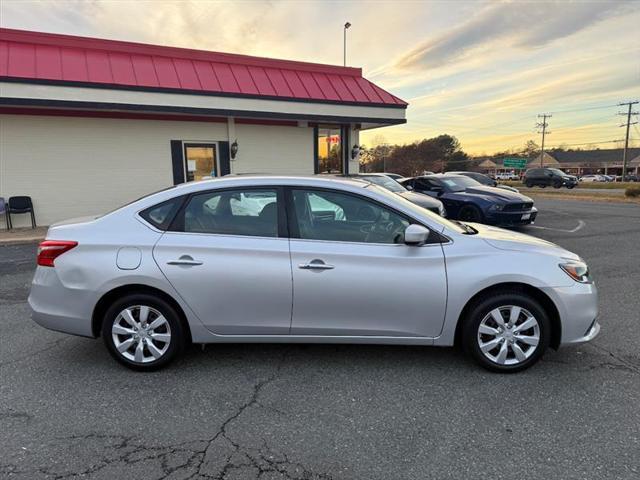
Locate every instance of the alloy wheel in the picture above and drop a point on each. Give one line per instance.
(508, 335)
(141, 334)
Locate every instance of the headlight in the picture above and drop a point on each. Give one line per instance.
(577, 270)
(496, 208)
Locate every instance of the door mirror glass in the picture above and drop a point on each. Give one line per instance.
(416, 235)
(409, 187)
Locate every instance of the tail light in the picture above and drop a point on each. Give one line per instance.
(49, 250)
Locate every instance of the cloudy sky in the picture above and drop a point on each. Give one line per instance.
(480, 70)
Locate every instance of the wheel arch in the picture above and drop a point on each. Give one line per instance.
(109, 297)
(536, 293)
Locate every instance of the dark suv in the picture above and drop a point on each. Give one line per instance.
(551, 177)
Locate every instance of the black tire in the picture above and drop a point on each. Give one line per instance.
(557, 184)
(543, 185)
(529, 184)
(483, 308)
(470, 213)
(175, 329)
(570, 186)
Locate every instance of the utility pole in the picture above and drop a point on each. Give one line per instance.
(344, 49)
(626, 141)
(543, 125)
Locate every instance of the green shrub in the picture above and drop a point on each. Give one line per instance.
(632, 192)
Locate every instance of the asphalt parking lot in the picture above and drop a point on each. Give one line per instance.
(67, 410)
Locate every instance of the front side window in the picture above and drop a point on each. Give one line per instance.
(329, 150)
(200, 161)
(251, 212)
(333, 216)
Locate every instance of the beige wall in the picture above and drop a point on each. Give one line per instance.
(273, 149)
(84, 166)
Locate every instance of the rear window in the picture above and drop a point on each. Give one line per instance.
(161, 215)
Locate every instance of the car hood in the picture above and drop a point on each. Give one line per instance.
(503, 239)
(421, 199)
(495, 193)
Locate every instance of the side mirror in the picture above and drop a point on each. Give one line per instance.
(416, 235)
(409, 187)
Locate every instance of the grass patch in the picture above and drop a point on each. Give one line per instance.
(632, 192)
(594, 185)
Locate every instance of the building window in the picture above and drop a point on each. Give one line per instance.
(200, 161)
(330, 144)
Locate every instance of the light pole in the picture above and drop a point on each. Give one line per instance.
(344, 50)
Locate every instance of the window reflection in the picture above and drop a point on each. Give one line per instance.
(329, 150)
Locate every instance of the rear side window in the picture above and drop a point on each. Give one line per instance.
(161, 215)
(250, 212)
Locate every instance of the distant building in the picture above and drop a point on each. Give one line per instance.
(589, 161)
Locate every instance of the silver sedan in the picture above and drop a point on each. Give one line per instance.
(322, 260)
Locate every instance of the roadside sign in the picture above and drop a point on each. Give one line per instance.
(514, 162)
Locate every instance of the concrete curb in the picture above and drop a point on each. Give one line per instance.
(20, 241)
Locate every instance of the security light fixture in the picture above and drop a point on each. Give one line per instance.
(234, 149)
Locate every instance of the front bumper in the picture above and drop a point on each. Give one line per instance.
(511, 218)
(578, 309)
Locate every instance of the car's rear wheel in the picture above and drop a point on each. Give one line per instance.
(507, 332)
(529, 184)
(470, 213)
(143, 332)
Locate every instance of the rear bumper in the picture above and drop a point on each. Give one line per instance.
(57, 307)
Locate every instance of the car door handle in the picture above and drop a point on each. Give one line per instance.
(316, 265)
(185, 260)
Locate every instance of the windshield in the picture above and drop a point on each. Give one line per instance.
(419, 210)
(458, 184)
(385, 182)
(557, 172)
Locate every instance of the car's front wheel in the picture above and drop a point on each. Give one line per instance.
(470, 213)
(143, 332)
(507, 332)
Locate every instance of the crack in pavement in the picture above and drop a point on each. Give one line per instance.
(626, 365)
(30, 355)
(213, 458)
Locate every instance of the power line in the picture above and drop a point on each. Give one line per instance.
(585, 109)
(586, 143)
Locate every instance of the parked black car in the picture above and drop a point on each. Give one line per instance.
(548, 177)
(467, 200)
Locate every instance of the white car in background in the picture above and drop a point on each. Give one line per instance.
(593, 178)
(507, 176)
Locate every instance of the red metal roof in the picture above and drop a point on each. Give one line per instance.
(65, 59)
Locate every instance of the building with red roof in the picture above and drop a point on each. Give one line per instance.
(87, 124)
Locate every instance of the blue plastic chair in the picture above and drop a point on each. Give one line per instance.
(5, 210)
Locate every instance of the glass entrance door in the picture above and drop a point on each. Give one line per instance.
(200, 160)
